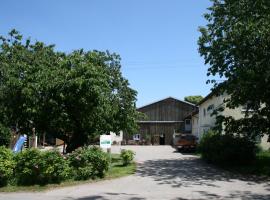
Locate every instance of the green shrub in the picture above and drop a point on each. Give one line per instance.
(127, 156)
(7, 165)
(5, 135)
(36, 167)
(227, 149)
(29, 165)
(55, 168)
(88, 163)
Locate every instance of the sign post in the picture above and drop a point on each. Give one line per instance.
(105, 142)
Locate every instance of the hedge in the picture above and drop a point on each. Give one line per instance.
(227, 149)
(33, 166)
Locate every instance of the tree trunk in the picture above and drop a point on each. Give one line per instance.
(76, 141)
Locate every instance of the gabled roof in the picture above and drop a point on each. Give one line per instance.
(166, 99)
(206, 98)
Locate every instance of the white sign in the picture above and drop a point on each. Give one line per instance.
(105, 141)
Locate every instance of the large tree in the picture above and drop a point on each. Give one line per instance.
(236, 45)
(75, 97)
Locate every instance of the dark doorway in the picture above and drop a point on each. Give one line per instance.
(162, 139)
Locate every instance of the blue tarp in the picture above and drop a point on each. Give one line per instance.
(19, 144)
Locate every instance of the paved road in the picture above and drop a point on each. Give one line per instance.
(162, 174)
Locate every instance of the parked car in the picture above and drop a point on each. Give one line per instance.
(185, 142)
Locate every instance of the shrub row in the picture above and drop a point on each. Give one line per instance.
(227, 149)
(35, 167)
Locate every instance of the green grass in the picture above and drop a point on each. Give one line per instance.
(116, 170)
(260, 166)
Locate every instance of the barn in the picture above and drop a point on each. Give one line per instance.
(163, 118)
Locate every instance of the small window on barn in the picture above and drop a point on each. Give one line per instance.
(136, 137)
(204, 112)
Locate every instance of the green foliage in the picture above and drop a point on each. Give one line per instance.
(127, 156)
(5, 135)
(36, 167)
(193, 99)
(88, 163)
(74, 96)
(29, 166)
(55, 167)
(235, 44)
(7, 165)
(226, 149)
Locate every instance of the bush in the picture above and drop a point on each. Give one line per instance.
(127, 156)
(29, 164)
(227, 149)
(7, 165)
(88, 163)
(5, 135)
(36, 167)
(55, 168)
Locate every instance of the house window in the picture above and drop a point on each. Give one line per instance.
(247, 107)
(187, 121)
(204, 112)
(210, 108)
(136, 137)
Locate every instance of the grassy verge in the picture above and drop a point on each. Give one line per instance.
(260, 166)
(116, 170)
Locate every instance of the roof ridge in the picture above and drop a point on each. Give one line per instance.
(165, 99)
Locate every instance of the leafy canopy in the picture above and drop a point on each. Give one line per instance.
(236, 45)
(193, 99)
(74, 96)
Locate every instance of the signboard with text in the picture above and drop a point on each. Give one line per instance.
(105, 141)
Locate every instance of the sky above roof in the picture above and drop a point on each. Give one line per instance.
(156, 39)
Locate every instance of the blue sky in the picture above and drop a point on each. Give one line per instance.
(157, 39)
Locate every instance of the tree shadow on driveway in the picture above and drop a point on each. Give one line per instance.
(189, 172)
(108, 196)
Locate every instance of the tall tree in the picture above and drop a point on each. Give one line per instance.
(193, 99)
(74, 96)
(236, 45)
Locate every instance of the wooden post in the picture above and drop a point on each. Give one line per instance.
(43, 139)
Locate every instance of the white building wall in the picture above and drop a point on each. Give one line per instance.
(195, 125)
(206, 121)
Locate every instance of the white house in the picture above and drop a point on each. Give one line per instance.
(207, 121)
(195, 123)
(117, 138)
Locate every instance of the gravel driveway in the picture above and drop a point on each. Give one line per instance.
(162, 174)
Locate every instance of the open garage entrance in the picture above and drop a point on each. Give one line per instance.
(162, 139)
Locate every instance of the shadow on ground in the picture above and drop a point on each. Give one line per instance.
(190, 172)
(109, 196)
(246, 195)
